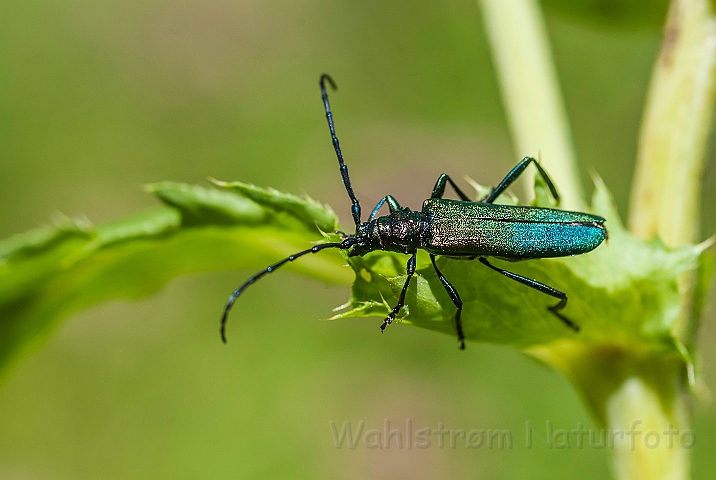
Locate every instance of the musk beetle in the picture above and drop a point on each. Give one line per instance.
(461, 229)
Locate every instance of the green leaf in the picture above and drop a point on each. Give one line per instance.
(54, 271)
(305, 209)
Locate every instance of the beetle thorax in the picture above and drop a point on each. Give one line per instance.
(401, 231)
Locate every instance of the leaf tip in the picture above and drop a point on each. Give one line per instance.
(706, 244)
(218, 183)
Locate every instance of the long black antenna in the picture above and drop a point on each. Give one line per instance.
(269, 269)
(355, 209)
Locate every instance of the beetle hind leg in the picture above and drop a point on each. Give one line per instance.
(541, 287)
(555, 311)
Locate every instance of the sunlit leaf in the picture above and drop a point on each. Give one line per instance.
(54, 271)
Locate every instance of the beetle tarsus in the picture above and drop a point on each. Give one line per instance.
(555, 311)
(386, 322)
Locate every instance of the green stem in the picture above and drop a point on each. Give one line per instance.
(530, 91)
(637, 393)
(656, 441)
(665, 203)
(675, 129)
(672, 144)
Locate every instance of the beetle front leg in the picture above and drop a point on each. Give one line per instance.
(401, 299)
(393, 206)
(514, 175)
(553, 292)
(455, 297)
(439, 188)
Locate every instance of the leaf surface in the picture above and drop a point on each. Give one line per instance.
(51, 272)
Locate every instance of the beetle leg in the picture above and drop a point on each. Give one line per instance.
(542, 288)
(393, 206)
(455, 297)
(439, 188)
(401, 299)
(375, 210)
(514, 175)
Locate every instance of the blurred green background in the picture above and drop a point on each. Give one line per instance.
(98, 98)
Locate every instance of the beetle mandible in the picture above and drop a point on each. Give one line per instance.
(461, 229)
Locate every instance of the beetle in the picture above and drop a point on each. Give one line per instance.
(461, 229)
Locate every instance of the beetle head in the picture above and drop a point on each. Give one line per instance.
(365, 240)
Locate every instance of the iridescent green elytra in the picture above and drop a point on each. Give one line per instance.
(460, 229)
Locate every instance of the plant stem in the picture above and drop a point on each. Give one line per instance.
(672, 144)
(530, 91)
(638, 394)
(675, 129)
(654, 445)
(665, 203)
